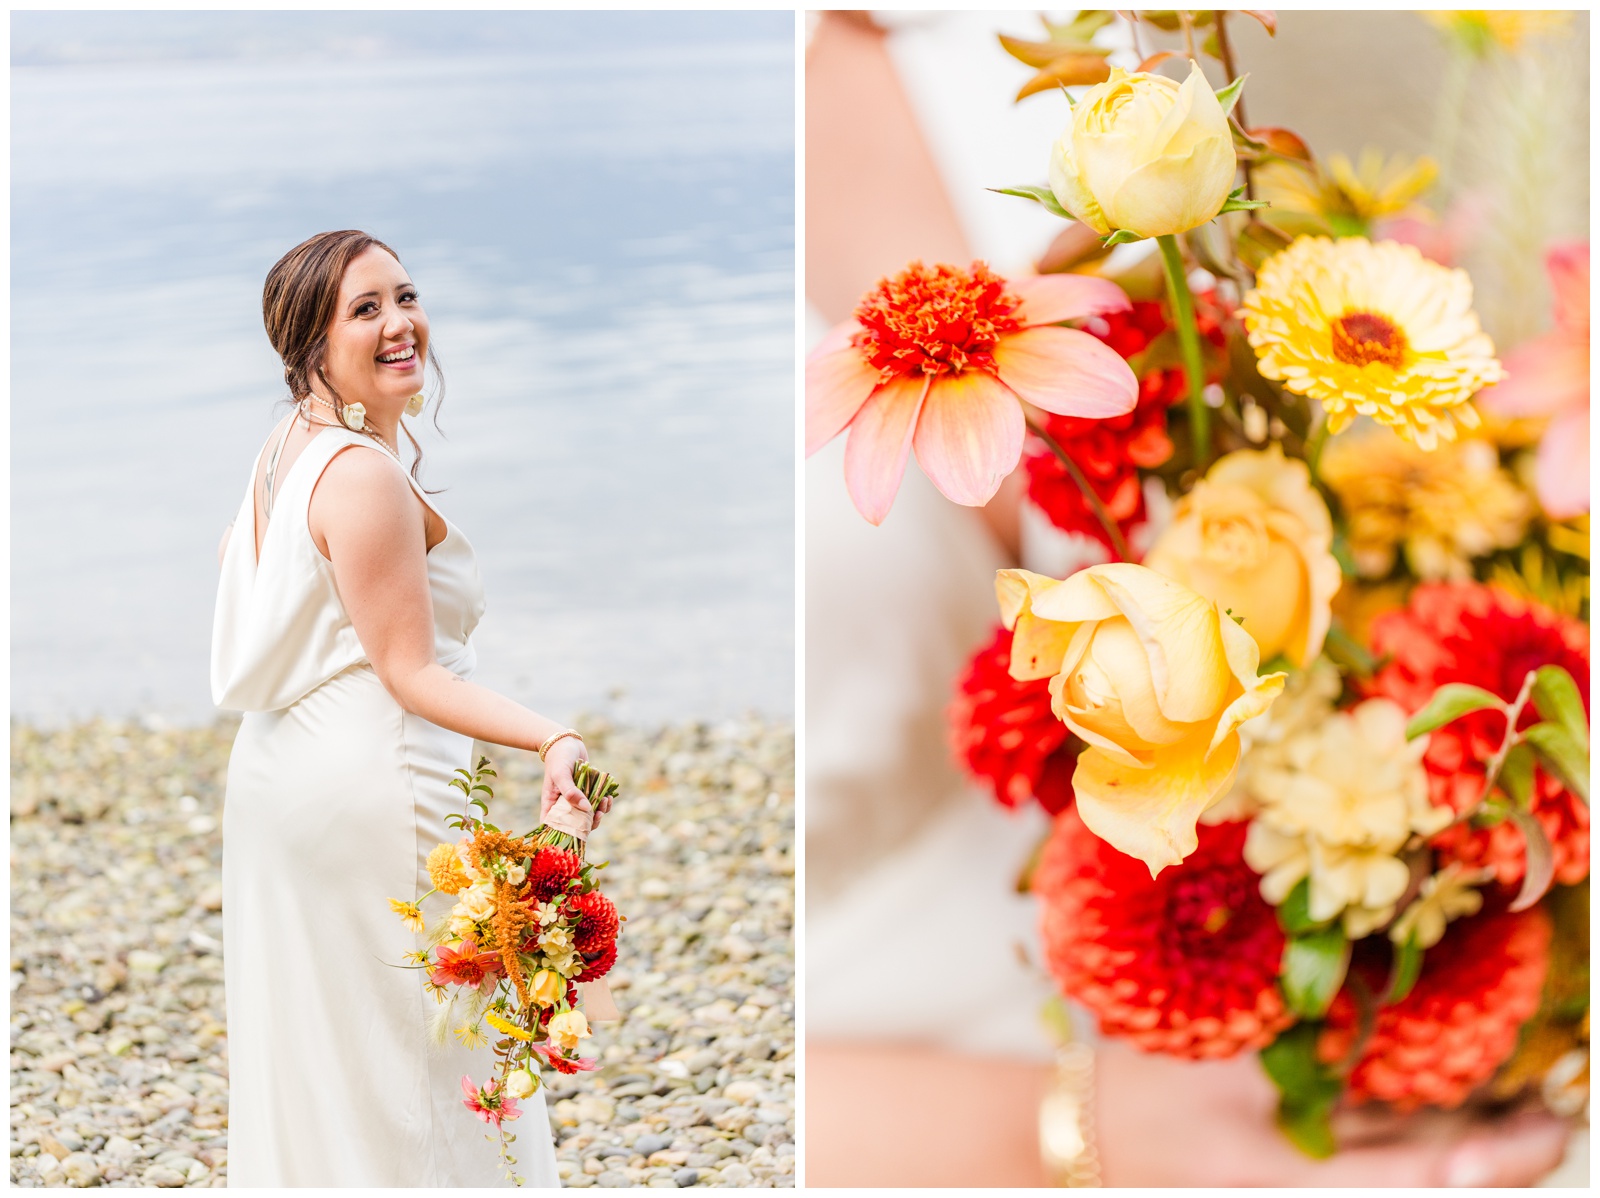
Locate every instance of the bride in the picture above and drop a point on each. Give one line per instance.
(342, 632)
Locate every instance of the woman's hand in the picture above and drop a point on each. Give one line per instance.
(1167, 1122)
(559, 762)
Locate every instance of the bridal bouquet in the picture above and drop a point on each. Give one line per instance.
(529, 931)
(1308, 698)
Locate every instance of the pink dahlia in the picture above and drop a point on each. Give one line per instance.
(464, 966)
(941, 359)
(1184, 963)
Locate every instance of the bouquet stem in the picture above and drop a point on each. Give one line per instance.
(1189, 344)
(1118, 545)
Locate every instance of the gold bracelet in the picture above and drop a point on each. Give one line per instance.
(1066, 1121)
(545, 748)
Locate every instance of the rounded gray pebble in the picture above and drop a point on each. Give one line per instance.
(686, 1177)
(612, 1179)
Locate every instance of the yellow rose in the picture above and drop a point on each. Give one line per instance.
(566, 1028)
(1156, 679)
(1146, 154)
(477, 902)
(520, 1083)
(1255, 537)
(547, 987)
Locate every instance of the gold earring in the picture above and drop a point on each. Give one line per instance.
(414, 404)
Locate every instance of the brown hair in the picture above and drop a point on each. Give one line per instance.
(298, 304)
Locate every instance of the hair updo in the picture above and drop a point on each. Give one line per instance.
(298, 304)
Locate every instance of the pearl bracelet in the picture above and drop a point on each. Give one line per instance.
(545, 748)
(1066, 1124)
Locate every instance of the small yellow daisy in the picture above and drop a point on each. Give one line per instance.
(1372, 330)
(410, 914)
(505, 1026)
(471, 1034)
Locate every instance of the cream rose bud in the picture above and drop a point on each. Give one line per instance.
(477, 902)
(520, 1083)
(566, 1028)
(1145, 153)
(1255, 537)
(1156, 679)
(548, 987)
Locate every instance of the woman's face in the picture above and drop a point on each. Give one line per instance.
(378, 341)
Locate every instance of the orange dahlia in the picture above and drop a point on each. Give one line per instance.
(1185, 963)
(1460, 1022)
(1004, 733)
(1468, 632)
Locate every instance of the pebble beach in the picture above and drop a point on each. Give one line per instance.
(119, 1052)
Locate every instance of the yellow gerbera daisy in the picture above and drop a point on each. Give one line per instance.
(410, 914)
(1372, 330)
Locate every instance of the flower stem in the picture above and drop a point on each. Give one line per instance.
(1315, 440)
(1189, 343)
(1118, 545)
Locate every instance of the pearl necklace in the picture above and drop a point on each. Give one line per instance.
(371, 432)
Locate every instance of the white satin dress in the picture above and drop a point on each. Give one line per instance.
(335, 795)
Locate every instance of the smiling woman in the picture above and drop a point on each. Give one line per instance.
(343, 631)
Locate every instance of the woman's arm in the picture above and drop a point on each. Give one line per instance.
(372, 527)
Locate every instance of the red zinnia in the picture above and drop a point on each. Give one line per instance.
(1468, 632)
(1185, 963)
(1110, 452)
(1460, 1022)
(1004, 732)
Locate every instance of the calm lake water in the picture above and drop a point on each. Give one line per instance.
(598, 211)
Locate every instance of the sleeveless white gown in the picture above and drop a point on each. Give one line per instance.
(335, 794)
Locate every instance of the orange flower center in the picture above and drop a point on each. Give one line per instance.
(1363, 337)
(935, 320)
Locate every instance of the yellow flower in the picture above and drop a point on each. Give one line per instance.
(1146, 154)
(1442, 508)
(1254, 536)
(1373, 330)
(503, 1025)
(1156, 679)
(547, 987)
(521, 1082)
(1447, 895)
(1336, 802)
(471, 1034)
(410, 914)
(1479, 30)
(1347, 196)
(477, 902)
(445, 872)
(566, 1028)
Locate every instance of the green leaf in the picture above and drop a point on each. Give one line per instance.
(1556, 697)
(1450, 702)
(1313, 969)
(1516, 775)
(1307, 1089)
(1229, 96)
(1349, 653)
(1039, 195)
(1122, 237)
(1294, 913)
(1407, 969)
(1242, 205)
(1562, 754)
(1540, 868)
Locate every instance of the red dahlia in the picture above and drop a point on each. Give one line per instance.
(1185, 963)
(1003, 732)
(549, 872)
(1460, 1022)
(1468, 632)
(597, 921)
(600, 965)
(1110, 452)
